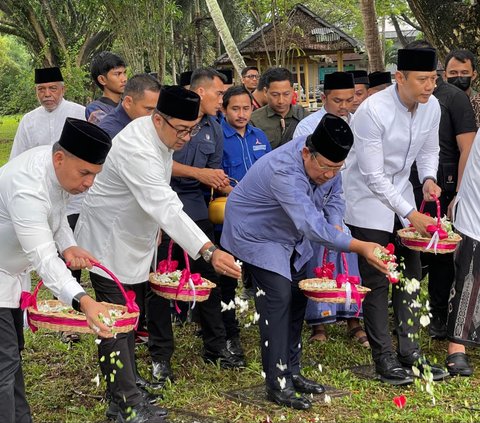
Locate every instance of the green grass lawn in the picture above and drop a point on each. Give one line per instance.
(8, 127)
(60, 387)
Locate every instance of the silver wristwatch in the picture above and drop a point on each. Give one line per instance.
(208, 253)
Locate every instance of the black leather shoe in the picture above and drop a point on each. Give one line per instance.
(306, 386)
(142, 413)
(391, 371)
(235, 347)
(418, 360)
(437, 328)
(161, 371)
(148, 398)
(288, 398)
(224, 358)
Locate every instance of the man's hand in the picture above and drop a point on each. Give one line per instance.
(430, 189)
(92, 310)
(450, 208)
(366, 249)
(214, 178)
(224, 264)
(78, 258)
(420, 222)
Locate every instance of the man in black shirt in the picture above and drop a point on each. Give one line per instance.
(456, 133)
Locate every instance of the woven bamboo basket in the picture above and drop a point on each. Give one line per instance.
(69, 320)
(328, 290)
(328, 293)
(173, 290)
(416, 243)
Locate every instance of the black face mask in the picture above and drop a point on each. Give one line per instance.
(462, 82)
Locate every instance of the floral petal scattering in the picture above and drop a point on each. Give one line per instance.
(390, 259)
(400, 401)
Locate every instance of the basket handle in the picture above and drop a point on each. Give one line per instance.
(212, 190)
(129, 296)
(437, 201)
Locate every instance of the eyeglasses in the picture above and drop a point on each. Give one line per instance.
(327, 168)
(252, 76)
(182, 133)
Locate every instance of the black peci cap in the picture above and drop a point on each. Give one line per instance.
(338, 81)
(178, 102)
(85, 140)
(332, 138)
(45, 75)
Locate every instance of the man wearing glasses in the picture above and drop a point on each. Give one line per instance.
(250, 78)
(121, 217)
(272, 216)
(195, 168)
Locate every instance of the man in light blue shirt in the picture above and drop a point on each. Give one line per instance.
(271, 217)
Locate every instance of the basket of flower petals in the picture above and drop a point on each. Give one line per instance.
(179, 285)
(57, 316)
(443, 241)
(343, 289)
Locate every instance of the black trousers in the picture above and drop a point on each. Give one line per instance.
(375, 305)
(72, 221)
(13, 403)
(120, 381)
(440, 267)
(281, 310)
(161, 341)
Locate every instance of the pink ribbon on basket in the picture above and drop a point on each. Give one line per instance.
(190, 279)
(165, 267)
(325, 271)
(350, 283)
(29, 300)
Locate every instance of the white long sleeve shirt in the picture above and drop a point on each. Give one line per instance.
(308, 124)
(33, 227)
(129, 201)
(388, 139)
(467, 216)
(41, 127)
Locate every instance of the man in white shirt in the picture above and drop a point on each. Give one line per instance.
(43, 125)
(392, 129)
(337, 97)
(122, 215)
(34, 189)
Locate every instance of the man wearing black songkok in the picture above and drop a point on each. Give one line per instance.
(119, 222)
(392, 129)
(34, 188)
(271, 218)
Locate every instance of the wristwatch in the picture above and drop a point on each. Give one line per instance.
(76, 301)
(208, 253)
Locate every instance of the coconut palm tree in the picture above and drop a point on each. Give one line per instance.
(227, 39)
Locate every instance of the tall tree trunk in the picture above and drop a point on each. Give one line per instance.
(449, 24)
(197, 21)
(227, 39)
(162, 43)
(174, 62)
(372, 38)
